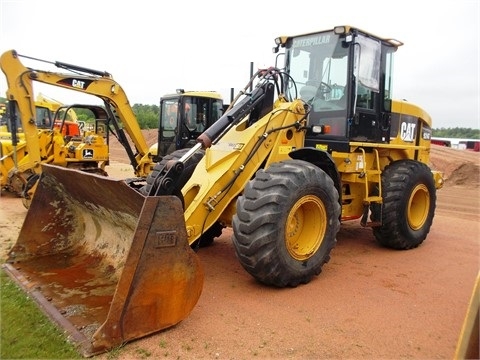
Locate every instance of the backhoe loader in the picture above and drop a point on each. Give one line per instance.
(44, 140)
(307, 144)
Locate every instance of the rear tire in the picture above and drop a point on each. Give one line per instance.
(409, 200)
(286, 223)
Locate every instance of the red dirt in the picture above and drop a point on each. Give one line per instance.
(368, 302)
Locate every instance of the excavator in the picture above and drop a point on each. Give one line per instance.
(310, 143)
(44, 143)
(59, 141)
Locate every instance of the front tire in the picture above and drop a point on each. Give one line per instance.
(409, 200)
(286, 223)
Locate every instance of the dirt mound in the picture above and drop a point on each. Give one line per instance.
(459, 167)
(467, 174)
(117, 151)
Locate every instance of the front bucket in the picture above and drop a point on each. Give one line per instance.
(104, 262)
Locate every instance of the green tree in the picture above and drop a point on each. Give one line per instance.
(147, 115)
(459, 133)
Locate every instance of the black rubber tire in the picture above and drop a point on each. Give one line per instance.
(208, 237)
(286, 223)
(409, 201)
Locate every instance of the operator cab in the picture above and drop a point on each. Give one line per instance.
(344, 75)
(183, 117)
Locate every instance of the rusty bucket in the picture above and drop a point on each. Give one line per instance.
(105, 263)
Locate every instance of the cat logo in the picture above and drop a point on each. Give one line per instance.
(407, 131)
(87, 153)
(78, 84)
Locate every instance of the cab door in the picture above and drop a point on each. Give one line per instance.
(371, 119)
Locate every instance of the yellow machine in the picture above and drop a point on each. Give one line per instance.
(184, 115)
(44, 140)
(468, 344)
(45, 109)
(45, 143)
(45, 102)
(305, 146)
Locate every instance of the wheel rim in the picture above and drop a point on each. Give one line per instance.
(418, 207)
(305, 228)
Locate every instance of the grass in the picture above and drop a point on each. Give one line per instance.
(25, 332)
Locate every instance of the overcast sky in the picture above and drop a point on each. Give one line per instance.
(154, 47)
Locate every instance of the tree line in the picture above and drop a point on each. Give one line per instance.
(457, 133)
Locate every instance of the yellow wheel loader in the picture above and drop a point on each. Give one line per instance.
(37, 138)
(308, 144)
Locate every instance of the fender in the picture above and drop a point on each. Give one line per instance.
(323, 160)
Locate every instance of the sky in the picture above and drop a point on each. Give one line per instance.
(153, 48)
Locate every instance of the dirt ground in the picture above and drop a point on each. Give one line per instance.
(368, 302)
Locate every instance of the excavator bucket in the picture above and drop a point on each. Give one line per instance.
(105, 263)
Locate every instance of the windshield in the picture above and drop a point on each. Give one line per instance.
(43, 117)
(198, 113)
(168, 121)
(318, 63)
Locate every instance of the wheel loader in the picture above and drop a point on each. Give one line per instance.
(44, 140)
(310, 143)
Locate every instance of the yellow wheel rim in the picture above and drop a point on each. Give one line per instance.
(305, 228)
(418, 207)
